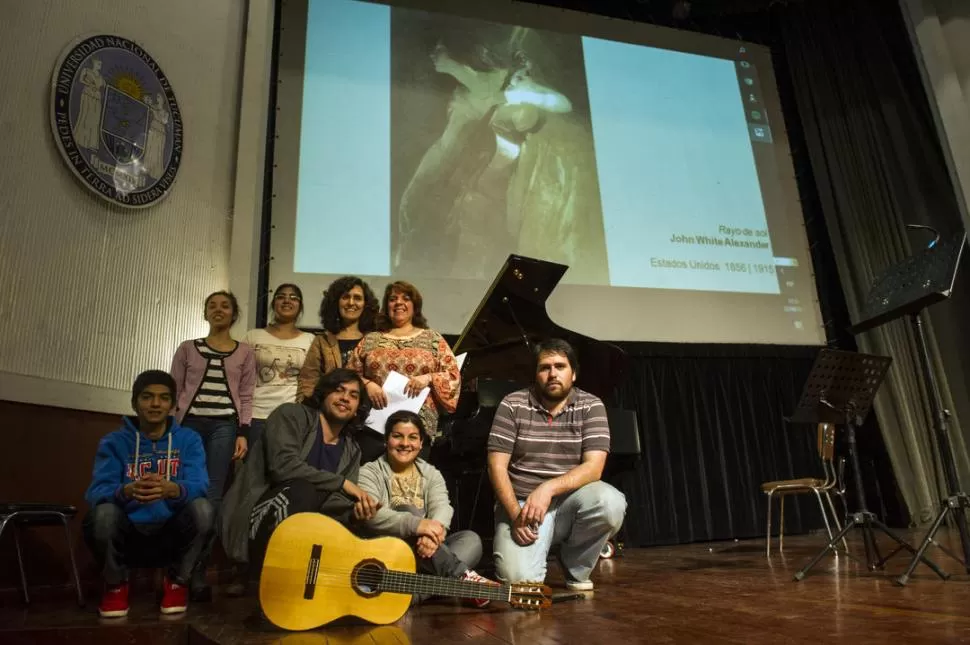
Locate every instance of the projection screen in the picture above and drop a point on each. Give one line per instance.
(417, 143)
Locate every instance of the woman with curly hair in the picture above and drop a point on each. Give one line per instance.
(347, 312)
(405, 344)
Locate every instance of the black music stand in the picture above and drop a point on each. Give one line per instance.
(839, 390)
(906, 289)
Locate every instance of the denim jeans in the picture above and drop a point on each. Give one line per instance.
(257, 427)
(177, 544)
(219, 440)
(581, 522)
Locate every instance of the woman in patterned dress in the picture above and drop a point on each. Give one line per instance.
(405, 344)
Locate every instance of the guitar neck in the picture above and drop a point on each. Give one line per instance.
(418, 583)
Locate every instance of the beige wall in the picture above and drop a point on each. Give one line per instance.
(91, 294)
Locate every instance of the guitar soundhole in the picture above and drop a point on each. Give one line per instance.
(367, 577)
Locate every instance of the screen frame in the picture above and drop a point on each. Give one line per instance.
(288, 66)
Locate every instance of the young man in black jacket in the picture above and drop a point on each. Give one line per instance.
(307, 461)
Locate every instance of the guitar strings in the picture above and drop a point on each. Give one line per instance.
(381, 583)
(415, 582)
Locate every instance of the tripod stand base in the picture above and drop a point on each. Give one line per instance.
(867, 521)
(957, 504)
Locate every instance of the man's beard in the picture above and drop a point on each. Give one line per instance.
(558, 396)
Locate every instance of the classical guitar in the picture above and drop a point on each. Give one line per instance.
(316, 571)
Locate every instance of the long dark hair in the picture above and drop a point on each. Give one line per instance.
(418, 320)
(330, 305)
(329, 383)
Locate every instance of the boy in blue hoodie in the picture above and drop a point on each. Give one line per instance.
(147, 498)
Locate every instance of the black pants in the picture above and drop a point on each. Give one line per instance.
(177, 544)
(289, 498)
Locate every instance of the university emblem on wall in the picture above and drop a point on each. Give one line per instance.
(116, 121)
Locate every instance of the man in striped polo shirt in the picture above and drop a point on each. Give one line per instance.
(546, 452)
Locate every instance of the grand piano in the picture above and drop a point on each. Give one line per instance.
(499, 340)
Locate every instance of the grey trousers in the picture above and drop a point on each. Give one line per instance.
(460, 552)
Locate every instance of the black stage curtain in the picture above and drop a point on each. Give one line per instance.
(713, 429)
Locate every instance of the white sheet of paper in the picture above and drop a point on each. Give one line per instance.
(396, 400)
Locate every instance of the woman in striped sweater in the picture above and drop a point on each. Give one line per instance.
(216, 377)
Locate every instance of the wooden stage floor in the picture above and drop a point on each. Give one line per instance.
(700, 593)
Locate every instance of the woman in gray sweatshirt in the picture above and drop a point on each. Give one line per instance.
(414, 504)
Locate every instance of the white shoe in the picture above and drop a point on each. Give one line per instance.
(579, 585)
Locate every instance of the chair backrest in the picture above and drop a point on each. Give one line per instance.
(624, 431)
(826, 442)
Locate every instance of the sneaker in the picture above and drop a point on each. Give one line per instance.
(114, 602)
(473, 576)
(175, 597)
(573, 585)
(579, 585)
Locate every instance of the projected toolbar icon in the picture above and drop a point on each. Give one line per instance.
(760, 133)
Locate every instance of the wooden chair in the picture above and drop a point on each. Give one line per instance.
(820, 487)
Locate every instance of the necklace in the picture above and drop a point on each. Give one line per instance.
(407, 487)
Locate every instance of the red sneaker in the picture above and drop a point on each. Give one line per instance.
(175, 597)
(473, 576)
(114, 601)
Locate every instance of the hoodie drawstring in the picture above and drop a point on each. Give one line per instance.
(135, 468)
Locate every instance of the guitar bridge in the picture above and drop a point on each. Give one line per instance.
(312, 571)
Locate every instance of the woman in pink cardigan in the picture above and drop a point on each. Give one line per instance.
(216, 377)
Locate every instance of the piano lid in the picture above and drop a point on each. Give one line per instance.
(512, 316)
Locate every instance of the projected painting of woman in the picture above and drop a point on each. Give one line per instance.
(512, 171)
